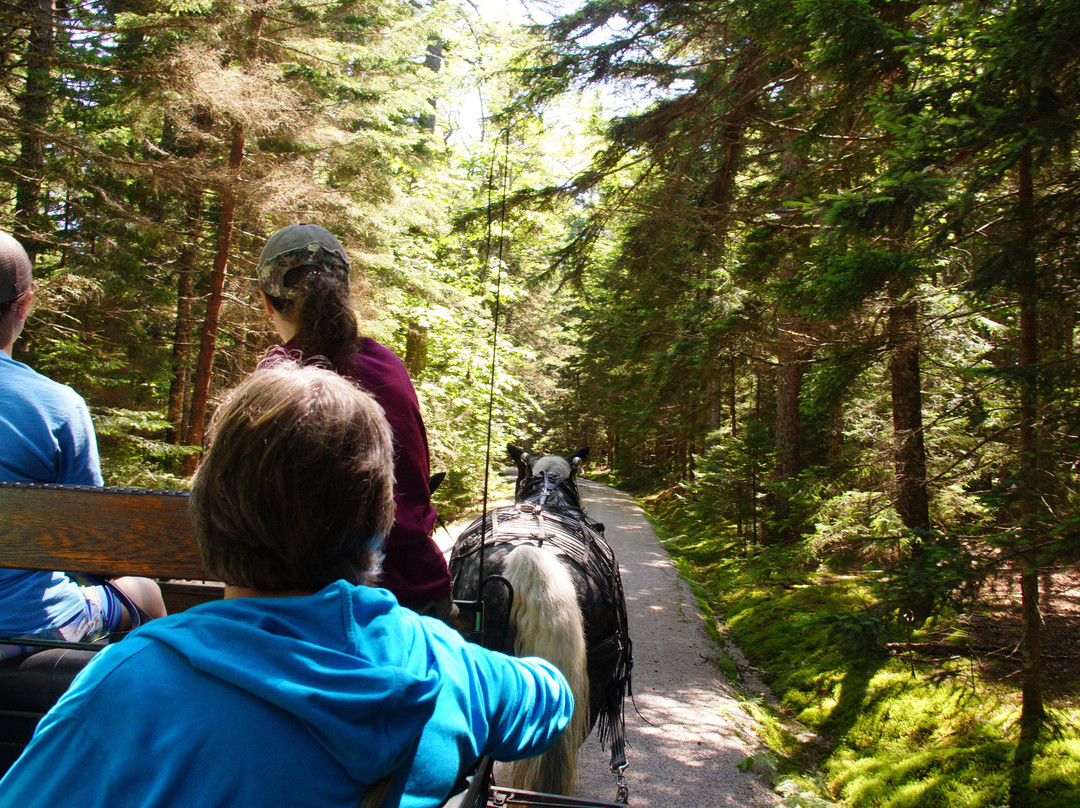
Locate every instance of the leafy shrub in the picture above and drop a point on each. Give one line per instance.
(133, 452)
(858, 632)
(855, 529)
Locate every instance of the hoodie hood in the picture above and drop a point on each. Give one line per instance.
(345, 662)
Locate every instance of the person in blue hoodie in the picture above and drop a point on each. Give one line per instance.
(305, 685)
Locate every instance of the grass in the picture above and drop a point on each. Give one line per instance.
(889, 735)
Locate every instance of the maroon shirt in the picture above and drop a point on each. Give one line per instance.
(414, 568)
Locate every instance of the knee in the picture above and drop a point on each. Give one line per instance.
(145, 593)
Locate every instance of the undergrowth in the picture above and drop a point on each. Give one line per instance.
(886, 732)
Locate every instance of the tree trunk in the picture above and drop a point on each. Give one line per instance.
(909, 454)
(713, 407)
(788, 461)
(732, 394)
(1032, 711)
(34, 110)
(416, 349)
(683, 456)
(200, 393)
(432, 61)
(185, 291)
(836, 432)
(754, 465)
(790, 356)
(788, 425)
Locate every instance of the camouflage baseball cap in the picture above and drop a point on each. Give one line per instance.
(299, 245)
(15, 273)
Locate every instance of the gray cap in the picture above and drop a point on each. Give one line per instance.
(15, 271)
(300, 245)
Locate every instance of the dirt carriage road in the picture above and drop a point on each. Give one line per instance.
(689, 730)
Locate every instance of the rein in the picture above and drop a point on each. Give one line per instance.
(476, 607)
(498, 300)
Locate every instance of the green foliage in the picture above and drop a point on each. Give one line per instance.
(727, 471)
(935, 570)
(855, 529)
(456, 393)
(133, 452)
(719, 263)
(859, 632)
(837, 283)
(333, 105)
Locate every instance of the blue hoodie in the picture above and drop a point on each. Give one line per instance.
(296, 701)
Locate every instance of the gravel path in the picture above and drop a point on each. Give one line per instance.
(689, 730)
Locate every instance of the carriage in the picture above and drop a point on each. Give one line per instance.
(125, 532)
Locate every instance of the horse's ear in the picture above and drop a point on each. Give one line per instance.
(435, 480)
(521, 462)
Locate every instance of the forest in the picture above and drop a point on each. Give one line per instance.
(803, 274)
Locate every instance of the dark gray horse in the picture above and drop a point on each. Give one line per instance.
(542, 581)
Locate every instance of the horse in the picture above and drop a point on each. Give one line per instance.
(542, 580)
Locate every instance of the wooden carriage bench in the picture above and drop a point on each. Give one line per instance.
(99, 531)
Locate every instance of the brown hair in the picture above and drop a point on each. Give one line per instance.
(296, 490)
(7, 325)
(325, 321)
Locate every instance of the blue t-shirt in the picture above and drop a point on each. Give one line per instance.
(46, 436)
(286, 701)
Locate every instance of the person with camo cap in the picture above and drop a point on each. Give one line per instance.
(303, 280)
(46, 436)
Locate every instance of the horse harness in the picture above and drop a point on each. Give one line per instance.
(552, 522)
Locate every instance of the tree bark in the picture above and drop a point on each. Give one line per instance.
(200, 393)
(1032, 711)
(416, 349)
(733, 394)
(185, 290)
(714, 399)
(34, 111)
(755, 483)
(788, 461)
(909, 453)
(432, 61)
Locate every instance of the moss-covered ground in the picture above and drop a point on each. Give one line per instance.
(884, 731)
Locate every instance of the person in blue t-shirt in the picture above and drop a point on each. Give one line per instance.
(46, 436)
(305, 685)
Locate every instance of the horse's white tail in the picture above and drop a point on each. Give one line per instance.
(549, 624)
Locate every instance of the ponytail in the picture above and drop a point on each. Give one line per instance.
(324, 318)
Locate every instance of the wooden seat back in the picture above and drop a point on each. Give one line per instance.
(105, 531)
(108, 532)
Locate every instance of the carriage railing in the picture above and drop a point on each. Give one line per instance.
(482, 792)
